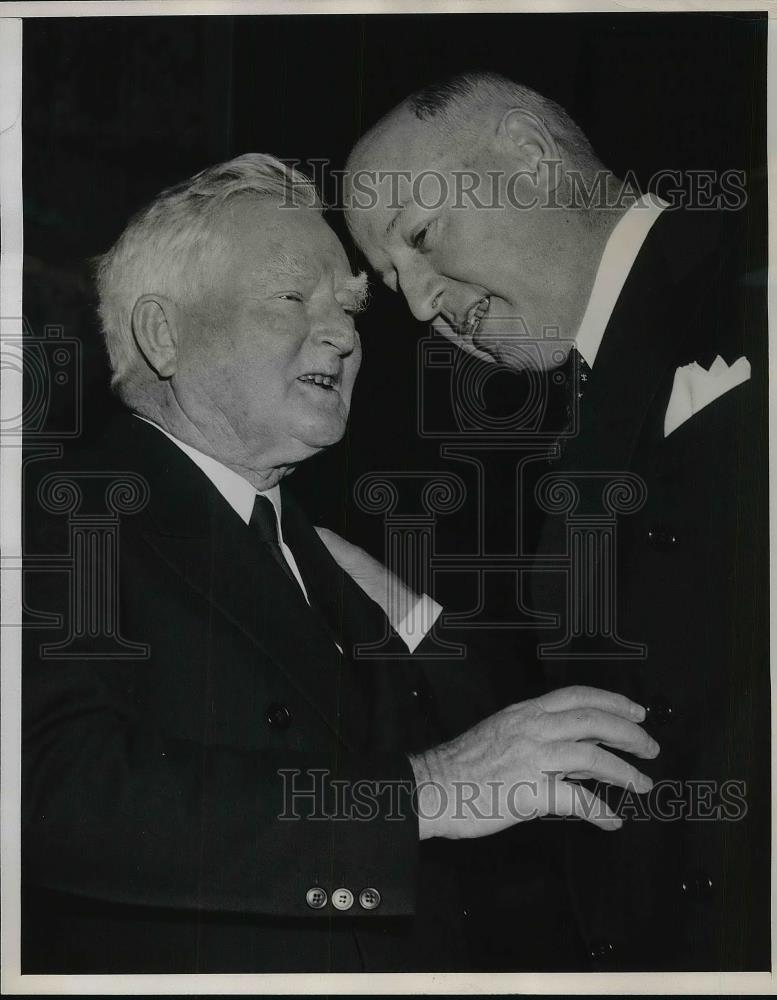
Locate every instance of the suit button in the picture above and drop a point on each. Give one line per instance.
(696, 886)
(420, 694)
(662, 538)
(315, 898)
(278, 716)
(660, 711)
(369, 899)
(602, 951)
(342, 899)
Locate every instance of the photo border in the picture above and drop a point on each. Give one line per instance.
(11, 232)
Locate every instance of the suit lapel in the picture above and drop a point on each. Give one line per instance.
(348, 611)
(640, 348)
(643, 343)
(195, 531)
(375, 702)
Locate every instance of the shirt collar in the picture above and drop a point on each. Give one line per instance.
(618, 258)
(238, 492)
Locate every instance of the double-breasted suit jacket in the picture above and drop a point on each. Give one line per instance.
(159, 829)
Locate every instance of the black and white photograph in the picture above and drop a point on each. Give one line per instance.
(385, 497)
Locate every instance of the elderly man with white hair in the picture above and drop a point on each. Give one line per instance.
(213, 780)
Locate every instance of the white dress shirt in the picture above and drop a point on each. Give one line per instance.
(240, 495)
(618, 258)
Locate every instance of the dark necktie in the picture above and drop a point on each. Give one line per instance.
(265, 524)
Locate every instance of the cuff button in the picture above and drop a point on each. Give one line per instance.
(662, 538)
(278, 716)
(315, 898)
(369, 899)
(342, 899)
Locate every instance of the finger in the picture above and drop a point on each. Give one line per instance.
(579, 696)
(569, 799)
(601, 727)
(584, 761)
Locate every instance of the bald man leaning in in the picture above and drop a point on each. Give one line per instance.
(485, 206)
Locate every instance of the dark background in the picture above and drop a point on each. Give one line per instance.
(115, 109)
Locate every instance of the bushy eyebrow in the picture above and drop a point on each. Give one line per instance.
(287, 265)
(358, 286)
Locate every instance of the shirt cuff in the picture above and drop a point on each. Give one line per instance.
(417, 622)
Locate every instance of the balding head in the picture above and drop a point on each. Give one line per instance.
(462, 197)
(460, 108)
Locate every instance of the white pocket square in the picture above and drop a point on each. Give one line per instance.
(694, 388)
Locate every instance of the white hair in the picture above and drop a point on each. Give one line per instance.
(161, 251)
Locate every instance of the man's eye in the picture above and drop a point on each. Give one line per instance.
(419, 238)
(291, 296)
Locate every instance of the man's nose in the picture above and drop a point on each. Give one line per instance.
(337, 329)
(423, 291)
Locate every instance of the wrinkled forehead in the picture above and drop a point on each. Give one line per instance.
(270, 238)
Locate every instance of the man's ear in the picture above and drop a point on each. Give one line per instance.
(526, 138)
(155, 328)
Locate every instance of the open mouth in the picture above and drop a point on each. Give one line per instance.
(475, 316)
(320, 379)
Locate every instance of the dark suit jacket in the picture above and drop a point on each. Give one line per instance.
(152, 787)
(692, 586)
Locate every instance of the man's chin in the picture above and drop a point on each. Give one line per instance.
(319, 434)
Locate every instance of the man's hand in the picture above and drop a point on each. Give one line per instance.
(511, 766)
(376, 580)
